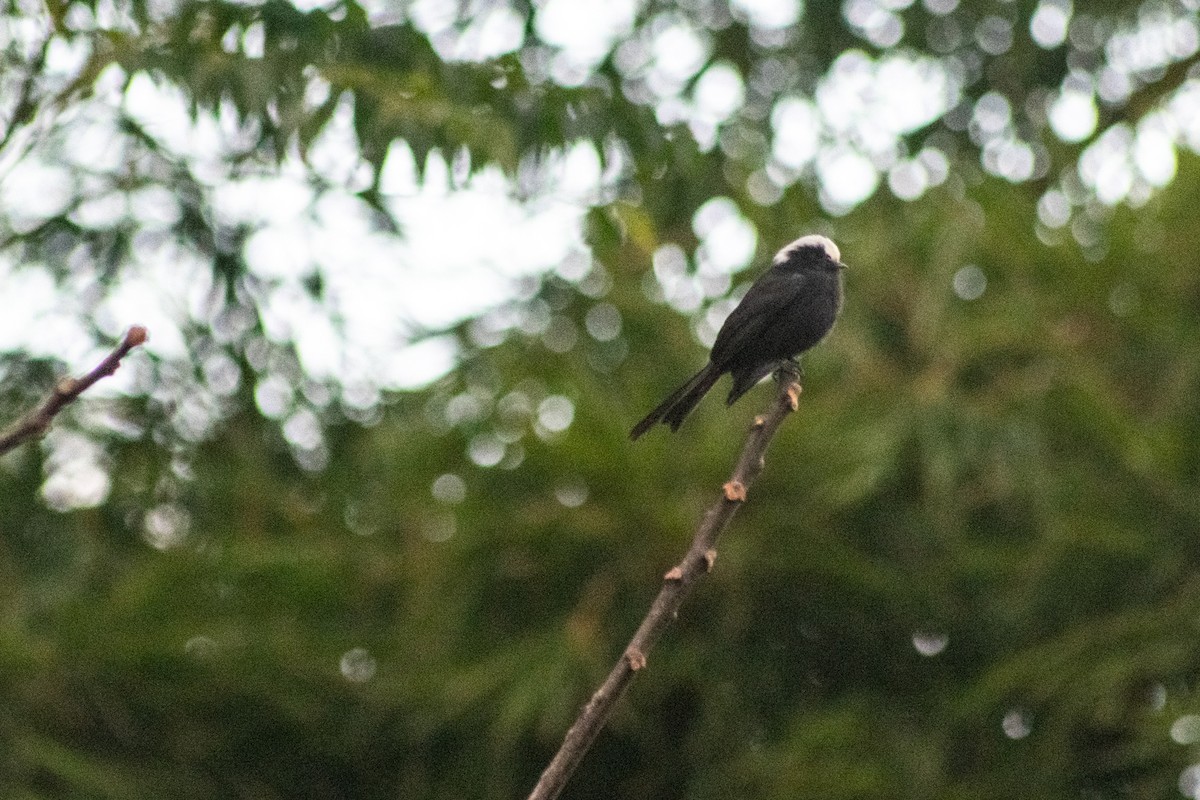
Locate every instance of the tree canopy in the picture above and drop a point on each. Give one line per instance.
(280, 556)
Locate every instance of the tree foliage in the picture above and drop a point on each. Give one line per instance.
(969, 569)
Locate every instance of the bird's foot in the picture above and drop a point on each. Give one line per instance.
(789, 369)
(789, 374)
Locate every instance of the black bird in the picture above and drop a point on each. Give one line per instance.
(787, 311)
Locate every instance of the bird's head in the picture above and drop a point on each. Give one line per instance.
(812, 251)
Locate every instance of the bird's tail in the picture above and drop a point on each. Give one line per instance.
(672, 410)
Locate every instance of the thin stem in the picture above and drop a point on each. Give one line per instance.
(37, 421)
(677, 585)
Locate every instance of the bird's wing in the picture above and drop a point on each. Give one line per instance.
(774, 294)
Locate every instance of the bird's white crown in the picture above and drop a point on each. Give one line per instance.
(812, 240)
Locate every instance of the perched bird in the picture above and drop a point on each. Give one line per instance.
(787, 311)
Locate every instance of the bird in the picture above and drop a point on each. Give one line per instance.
(787, 311)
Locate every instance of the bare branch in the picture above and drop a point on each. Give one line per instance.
(37, 421)
(677, 585)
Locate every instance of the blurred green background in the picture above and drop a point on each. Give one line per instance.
(970, 569)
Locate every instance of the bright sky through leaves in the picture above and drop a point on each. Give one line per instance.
(469, 237)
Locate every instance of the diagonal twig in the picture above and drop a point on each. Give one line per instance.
(677, 585)
(37, 421)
